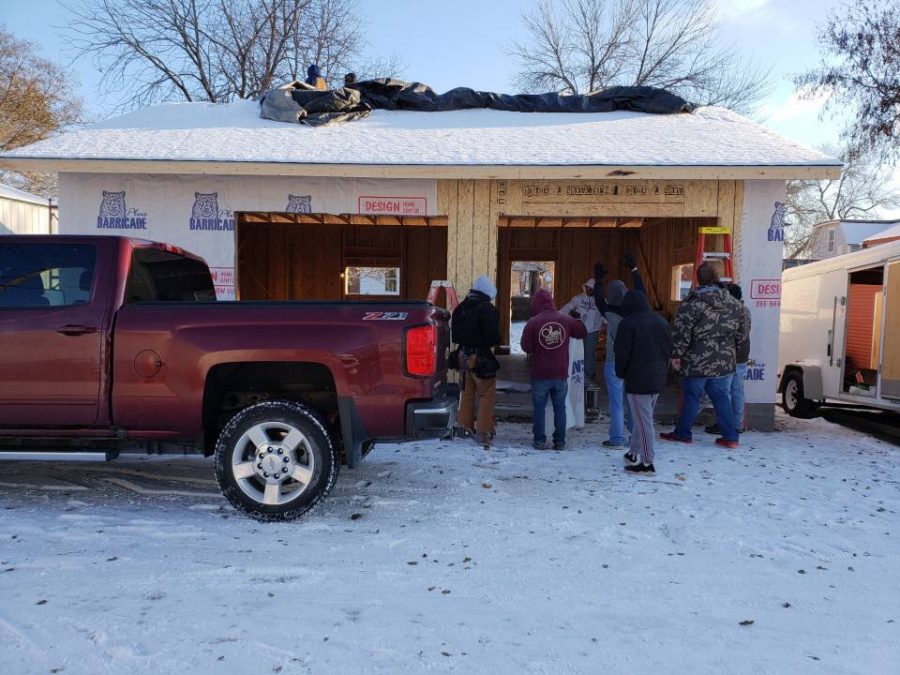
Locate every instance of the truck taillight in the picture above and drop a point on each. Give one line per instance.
(169, 248)
(420, 352)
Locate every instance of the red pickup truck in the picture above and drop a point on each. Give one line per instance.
(110, 344)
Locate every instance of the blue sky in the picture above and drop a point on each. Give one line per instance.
(462, 43)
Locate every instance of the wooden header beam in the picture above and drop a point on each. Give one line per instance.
(341, 219)
(568, 222)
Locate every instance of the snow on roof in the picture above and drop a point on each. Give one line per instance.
(888, 233)
(17, 195)
(234, 132)
(857, 231)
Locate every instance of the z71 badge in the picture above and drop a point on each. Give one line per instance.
(385, 316)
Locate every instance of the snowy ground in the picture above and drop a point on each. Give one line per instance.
(781, 557)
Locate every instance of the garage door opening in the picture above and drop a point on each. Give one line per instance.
(527, 277)
(664, 248)
(320, 256)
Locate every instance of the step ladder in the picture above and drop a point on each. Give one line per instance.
(449, 293)
(725, 255)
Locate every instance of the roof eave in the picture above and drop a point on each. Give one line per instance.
(446, 171)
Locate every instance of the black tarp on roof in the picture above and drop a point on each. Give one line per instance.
(315, 106)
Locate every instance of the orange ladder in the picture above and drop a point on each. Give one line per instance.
(725, 255)
(449, 293)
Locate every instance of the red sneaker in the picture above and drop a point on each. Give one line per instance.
(731, 445)
(670, 436)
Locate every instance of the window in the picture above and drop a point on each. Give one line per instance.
(159, 276)
(46, 275)
(372, 281)
(831, 240)
(682, 280)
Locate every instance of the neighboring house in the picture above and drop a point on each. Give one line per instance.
(883, 237)
(837, 237)
(24, 213)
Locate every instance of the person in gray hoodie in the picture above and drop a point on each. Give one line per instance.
(610, 306)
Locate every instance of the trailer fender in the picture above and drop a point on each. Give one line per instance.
(812, 379)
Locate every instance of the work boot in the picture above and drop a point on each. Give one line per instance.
(640, 468)
(670, 436)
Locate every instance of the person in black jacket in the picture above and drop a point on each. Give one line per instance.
(643, 347)
(475, 327)
(610, 306)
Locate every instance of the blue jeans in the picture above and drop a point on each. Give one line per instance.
(556, 390)
(737, 395)
(619, 412)
(719, 391)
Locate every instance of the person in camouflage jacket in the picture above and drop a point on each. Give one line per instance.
(708, 329)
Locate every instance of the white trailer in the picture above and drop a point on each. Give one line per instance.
(840, 332)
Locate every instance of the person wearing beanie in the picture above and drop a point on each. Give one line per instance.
(741, 356)
(708, 328)
(545, 339)
(610, 306)
(314, 77)
(475, 327)
(584, 308)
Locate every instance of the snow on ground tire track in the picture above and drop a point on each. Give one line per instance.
(441, 557)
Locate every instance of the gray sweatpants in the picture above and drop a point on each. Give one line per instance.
(642, 434)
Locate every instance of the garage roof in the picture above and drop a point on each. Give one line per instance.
(232, 138)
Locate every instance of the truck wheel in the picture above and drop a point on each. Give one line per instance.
(792, 398)
(274, 460)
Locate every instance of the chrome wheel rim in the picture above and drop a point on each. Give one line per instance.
(273, 463)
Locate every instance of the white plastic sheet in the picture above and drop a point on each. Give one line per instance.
(575, 395)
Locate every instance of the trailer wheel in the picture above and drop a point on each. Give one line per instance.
(275, 461)
(792, 399)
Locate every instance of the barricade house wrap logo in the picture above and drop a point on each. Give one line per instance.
(552, 335)
(756, 371)
(206, 215)
(299, 204)
(776, 224)
(115, 215)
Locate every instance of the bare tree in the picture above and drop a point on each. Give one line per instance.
(860, 70)
(213, 50)
(35, 101)
(861, 191)
(578, 46)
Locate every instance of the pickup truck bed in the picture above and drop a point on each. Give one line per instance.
(108, 341)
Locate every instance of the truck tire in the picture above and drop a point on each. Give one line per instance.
(792, 399)
(275, 461)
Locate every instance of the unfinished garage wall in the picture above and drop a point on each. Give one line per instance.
(197, 212)
(759, 245)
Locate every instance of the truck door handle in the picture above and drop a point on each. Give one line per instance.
(72, 329)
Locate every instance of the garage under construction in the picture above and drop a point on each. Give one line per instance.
(389, 199)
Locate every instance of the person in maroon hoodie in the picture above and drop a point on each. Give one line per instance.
(545, 339)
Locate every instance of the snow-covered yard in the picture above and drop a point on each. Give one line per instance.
(781, 557)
